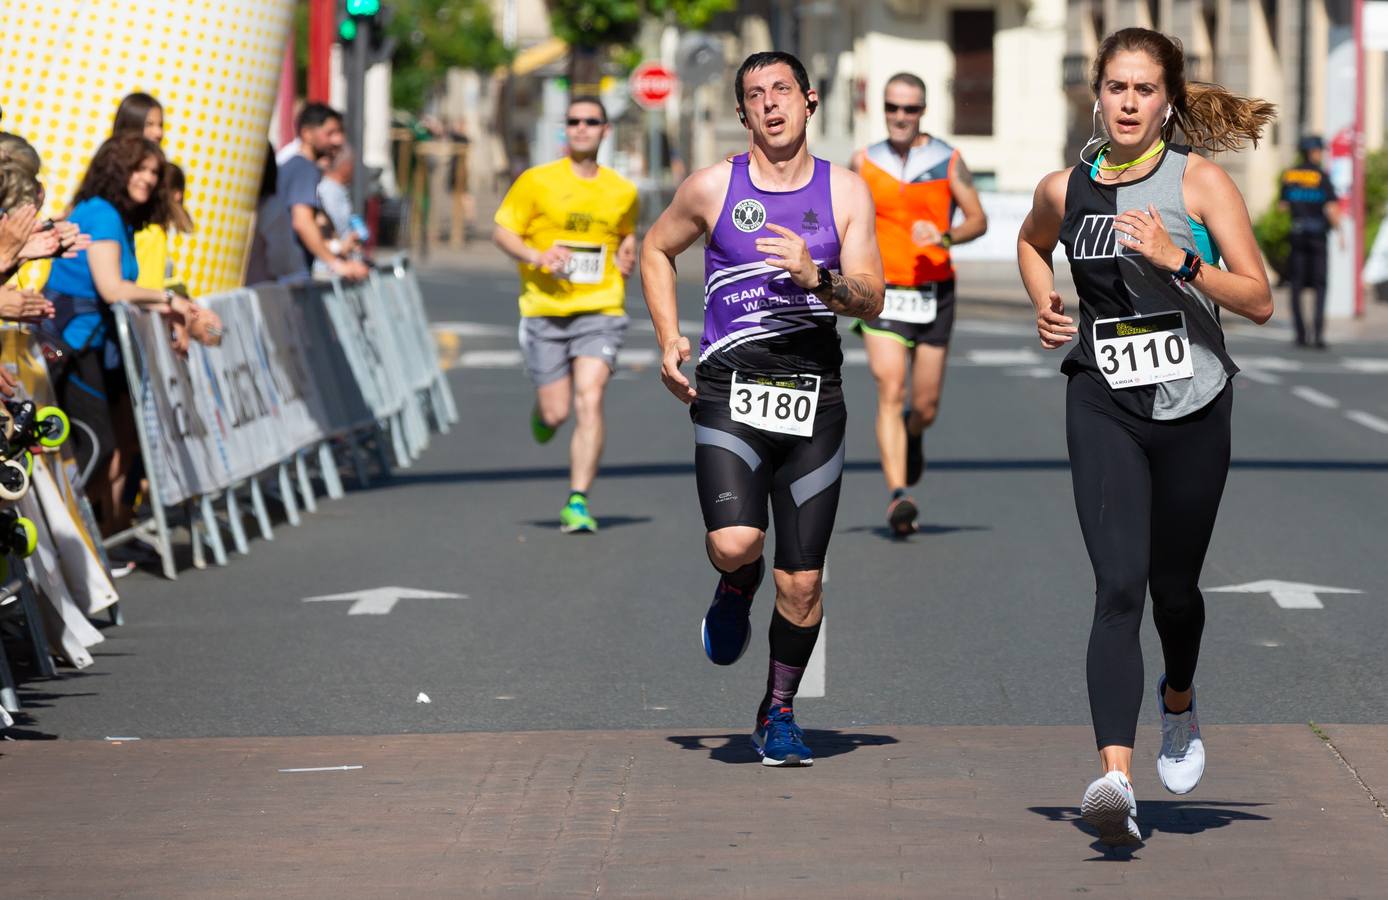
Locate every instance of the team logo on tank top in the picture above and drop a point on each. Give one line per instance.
(749, 215)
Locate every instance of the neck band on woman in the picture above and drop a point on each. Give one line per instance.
(1123, 167)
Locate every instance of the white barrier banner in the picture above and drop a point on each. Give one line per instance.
(296, 366)
(186, 455)
(230, 412)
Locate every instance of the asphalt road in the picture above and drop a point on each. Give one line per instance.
(981, 619)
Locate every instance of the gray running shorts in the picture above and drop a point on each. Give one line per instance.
(549, 343)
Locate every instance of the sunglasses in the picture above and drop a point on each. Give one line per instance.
(911, 109)
(591, 123)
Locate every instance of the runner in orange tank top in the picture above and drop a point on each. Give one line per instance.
(917, 183)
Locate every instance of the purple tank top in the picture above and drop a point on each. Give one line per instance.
(757, 320)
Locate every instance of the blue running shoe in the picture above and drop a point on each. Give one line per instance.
(727, 626)
(780, 741)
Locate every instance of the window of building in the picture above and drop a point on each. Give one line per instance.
(971, 35)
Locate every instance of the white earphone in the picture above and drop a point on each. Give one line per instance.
(1166, 118)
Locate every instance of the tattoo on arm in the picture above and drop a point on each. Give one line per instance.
(966, 177)
(851, 296)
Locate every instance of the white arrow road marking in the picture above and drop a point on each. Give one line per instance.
(1315, 397)
(380, 601)
(1287, 594)
(1368, 420)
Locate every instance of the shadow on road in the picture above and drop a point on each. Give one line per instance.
(604, 523)
(737, 749)
(1166, 816)
(887, 534)
(685, 469)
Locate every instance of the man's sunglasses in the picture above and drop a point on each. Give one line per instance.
(911, 109)
(591, 123)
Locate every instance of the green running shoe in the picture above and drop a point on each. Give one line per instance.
(538, 429)
(574, 517)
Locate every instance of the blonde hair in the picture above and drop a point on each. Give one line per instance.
(1209, 115)
(19, 172)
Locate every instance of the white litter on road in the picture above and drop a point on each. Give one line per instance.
(423, 698)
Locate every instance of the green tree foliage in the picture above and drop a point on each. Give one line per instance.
(595, 27)
(599, 24)
(1274, 227)
(436, 35)
(431, 36)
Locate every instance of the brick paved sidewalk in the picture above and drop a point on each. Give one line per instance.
(885, 812)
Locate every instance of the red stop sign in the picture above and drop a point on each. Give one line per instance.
(651, 85)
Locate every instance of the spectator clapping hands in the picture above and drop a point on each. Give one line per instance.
(24, 306)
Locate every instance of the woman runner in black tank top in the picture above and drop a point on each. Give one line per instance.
(1149, 398)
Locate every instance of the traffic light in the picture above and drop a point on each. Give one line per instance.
(354, 13)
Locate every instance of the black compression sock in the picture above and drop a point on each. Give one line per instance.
(898, 493)
(791, 646)
(745, 578)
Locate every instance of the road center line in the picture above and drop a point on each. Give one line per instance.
(1368, 420)
(1315, 397)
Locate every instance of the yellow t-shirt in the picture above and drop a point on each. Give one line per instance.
(549, 204)
(152, 253)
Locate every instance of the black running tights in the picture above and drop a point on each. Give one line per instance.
(1147, 494)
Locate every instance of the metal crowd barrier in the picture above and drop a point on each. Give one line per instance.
(306, 378)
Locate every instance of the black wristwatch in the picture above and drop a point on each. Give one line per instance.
(826, 279)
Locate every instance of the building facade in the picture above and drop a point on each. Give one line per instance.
(1277, 50)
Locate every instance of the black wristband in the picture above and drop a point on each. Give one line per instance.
(1190, 267)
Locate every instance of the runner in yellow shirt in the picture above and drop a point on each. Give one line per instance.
(571, 225)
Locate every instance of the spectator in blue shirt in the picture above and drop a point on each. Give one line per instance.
(320, 137)
(121, 192)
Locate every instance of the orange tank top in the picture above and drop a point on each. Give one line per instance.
(905, 194)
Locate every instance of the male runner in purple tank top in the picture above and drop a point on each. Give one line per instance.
(791, 243)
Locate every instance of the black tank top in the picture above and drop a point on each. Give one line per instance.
(1113, 281)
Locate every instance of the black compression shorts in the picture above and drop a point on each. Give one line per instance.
(738, 468)
(911, 334)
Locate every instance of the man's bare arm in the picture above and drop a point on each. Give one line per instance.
(679, 226)
(961, 188)
(675, 231)
(857, 290)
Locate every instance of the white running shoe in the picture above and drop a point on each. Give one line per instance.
(1182, 759)
(1111, 808)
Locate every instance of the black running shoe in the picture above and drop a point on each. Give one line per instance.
(901, 516)
(727, 625)
(915, 452)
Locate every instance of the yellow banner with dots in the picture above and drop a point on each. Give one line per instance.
(213, 66)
